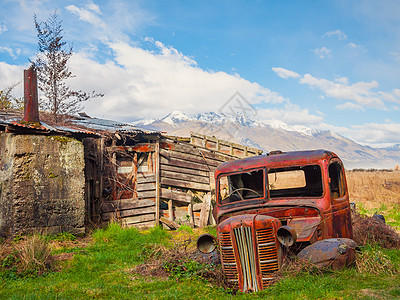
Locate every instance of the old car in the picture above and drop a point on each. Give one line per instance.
(271, 204)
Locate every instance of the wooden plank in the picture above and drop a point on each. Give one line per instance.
(184, 170)
(185, 184)
(109, 206)
(201, 159)
(146, 186)
(146, 178)
(190, 213)
(170, 224)
(170, 210)
(172, 161)
(176, 196)
(176, 175)
(197, 206)
(197, 150)
(147, 194)
(142, 225)
(205, 210)
(128, 213)
(138, 219)
(157, 155)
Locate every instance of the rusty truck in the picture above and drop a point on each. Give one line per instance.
(270, 205)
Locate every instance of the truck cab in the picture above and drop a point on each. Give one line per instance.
(268, 204)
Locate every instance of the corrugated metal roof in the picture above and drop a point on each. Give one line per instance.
(82, 125)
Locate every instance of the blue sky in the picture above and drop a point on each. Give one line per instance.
(332, 65)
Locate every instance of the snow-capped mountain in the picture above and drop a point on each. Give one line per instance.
(274, 135)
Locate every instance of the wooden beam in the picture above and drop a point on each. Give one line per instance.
(188, 177)
(172, 225)
(185, 184)
(205, 210)
(184, 170)
(157, 158)
(128, 213)
(170, 211)
(109, 206)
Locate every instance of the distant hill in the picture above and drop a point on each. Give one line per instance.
(275, 136)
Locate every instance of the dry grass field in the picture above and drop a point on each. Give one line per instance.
(376, 192)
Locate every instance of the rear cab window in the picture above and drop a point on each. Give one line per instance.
(298, 181)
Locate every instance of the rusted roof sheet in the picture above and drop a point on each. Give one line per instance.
(108, 125)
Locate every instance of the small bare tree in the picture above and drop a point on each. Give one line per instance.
(52, 65)
(7, 98)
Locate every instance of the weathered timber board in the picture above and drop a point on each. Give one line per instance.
(193, 178)
(185, 184)
(184, 170)
(143, 225)
(146, 187)
(147, 194)
(145, 178)
(189, 157)
(208, 153)
(183, 163)
(138, 219)
(109, 206)
(176, 196)
(128, 213)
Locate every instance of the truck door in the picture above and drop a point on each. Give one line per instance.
(341, 217)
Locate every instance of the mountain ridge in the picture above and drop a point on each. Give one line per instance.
(275, 135)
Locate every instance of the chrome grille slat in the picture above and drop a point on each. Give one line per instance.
(244, 240)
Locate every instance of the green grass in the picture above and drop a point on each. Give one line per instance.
(104, 270)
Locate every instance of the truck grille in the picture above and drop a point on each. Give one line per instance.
(267, 254)
(247, 250)
(228, 259)
(244, 240)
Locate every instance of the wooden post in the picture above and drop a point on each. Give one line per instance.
(190, 213)
(205, 210)
(170, 211)
(157, 165)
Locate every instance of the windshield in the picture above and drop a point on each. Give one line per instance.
(243, 186)
(300, 181)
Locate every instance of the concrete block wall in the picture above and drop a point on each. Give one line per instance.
(42, 184)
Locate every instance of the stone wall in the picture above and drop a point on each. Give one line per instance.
(42, 184)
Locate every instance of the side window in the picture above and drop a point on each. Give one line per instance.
(336, 178)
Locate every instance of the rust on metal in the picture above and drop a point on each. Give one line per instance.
(31, 104)
(268, 204)
(335, 253)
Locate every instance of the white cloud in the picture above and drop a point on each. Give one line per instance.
(359, 92)
(3, 28)
(284, 73)
(141, 83)
(396, 55)
(290, 114)
(350, 106)
(338, 33)
(11, 74)
(11, 52)
(322, 52)
(89, 14)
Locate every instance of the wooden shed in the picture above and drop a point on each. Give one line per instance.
(139, 178)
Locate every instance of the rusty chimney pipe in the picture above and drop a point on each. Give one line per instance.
(31, 103)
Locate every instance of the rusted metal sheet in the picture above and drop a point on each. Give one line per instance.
(334, 253)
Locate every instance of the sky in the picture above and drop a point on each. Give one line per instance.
(329, 65)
